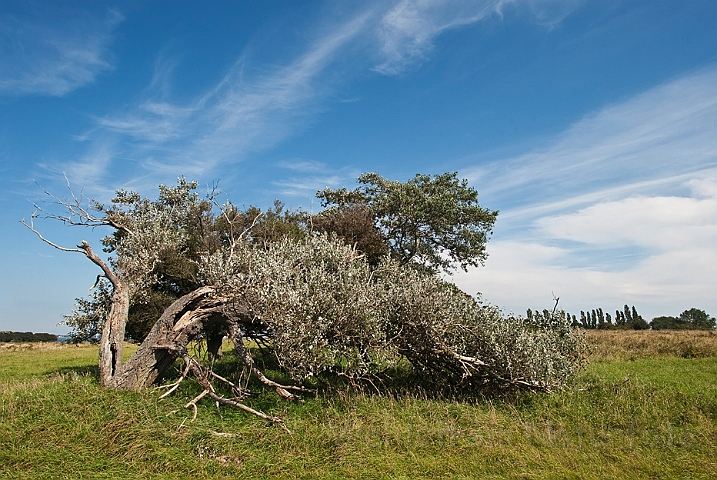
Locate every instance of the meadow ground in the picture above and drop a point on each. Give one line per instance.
(645, 407)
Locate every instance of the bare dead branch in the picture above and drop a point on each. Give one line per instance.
(181, 424)
(219, 377)
(97, 281)
(282, 390)
(227, 401)
(556, 299)
(31, 226)
(193, 403)
(78, 215)
(111, 276)
(202, 378)
(224, 210)
(173, 386)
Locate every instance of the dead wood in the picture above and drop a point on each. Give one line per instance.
(180, 323)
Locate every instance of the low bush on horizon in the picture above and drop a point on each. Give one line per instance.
(6, 336)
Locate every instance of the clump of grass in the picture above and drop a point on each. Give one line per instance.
(611, 345)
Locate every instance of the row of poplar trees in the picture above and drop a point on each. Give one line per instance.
(627, 319)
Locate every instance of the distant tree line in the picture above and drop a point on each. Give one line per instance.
(629, 319)
(27, 337)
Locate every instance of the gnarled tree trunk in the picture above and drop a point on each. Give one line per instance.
(168, 339)
(113, 332)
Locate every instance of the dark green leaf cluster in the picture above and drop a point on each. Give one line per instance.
(432, 221)
(692, 319)
(355, 226)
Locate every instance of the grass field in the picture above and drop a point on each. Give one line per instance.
(645, 407)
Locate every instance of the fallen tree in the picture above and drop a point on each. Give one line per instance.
(319, 304)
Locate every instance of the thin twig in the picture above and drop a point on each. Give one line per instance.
(194, 401)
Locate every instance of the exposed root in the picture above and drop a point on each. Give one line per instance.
(193, 403)
(173, 386)
(204, 377)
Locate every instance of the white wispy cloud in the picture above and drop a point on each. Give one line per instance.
(239, 115)
(663, 133)
(87, 173)
(620, 208)
(406, 32)
(52, 55)
(247, 112)
(93, 166)
(551, 12)
(303, 166)
(308, 177)
(307, 185)
(152, 122)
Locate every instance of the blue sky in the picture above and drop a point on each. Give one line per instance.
(590, 125)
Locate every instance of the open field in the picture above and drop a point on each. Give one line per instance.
(609, 345)
(645, 407)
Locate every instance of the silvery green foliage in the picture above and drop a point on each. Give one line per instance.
(316, 299)
(146, 230)
(326, 310)
(458, 342)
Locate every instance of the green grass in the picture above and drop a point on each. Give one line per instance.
(32, 360)
(654, 416)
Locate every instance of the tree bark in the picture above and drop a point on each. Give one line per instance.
(113, 332)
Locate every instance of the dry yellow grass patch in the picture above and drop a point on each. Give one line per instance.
(23, 346)
(633, 344)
